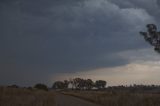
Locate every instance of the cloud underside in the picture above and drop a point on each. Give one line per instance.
(139, 71)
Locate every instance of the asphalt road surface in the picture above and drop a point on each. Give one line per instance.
(66, 100)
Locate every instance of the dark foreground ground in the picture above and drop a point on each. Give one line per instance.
(111, 97)
(66, 100)
(118, 98)
(26, 97)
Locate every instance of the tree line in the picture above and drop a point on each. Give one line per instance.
(79, 84)
(88, 84)
(74, 84)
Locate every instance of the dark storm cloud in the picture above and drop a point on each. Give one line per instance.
(45, 37)
(152, 7)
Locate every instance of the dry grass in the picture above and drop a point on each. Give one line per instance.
(25, 97)
(118, 98)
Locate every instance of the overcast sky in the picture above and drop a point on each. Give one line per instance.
(48, 40)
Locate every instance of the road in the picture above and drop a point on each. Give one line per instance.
(66, 100)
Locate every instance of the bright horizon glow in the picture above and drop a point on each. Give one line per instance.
(137, 72)
(145, 73)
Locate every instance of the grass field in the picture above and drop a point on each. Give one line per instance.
(118, 98)
(33, 97)
(25, 97)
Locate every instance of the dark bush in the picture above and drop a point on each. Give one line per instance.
(41, 87)
(13, 86)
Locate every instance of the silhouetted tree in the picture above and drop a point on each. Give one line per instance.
(13, 86)
(82, 84)
(89, 84)
(152, 36)
(41, 87)
(66, 83)
(58, 85)
(100, 84)
(77, 82)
